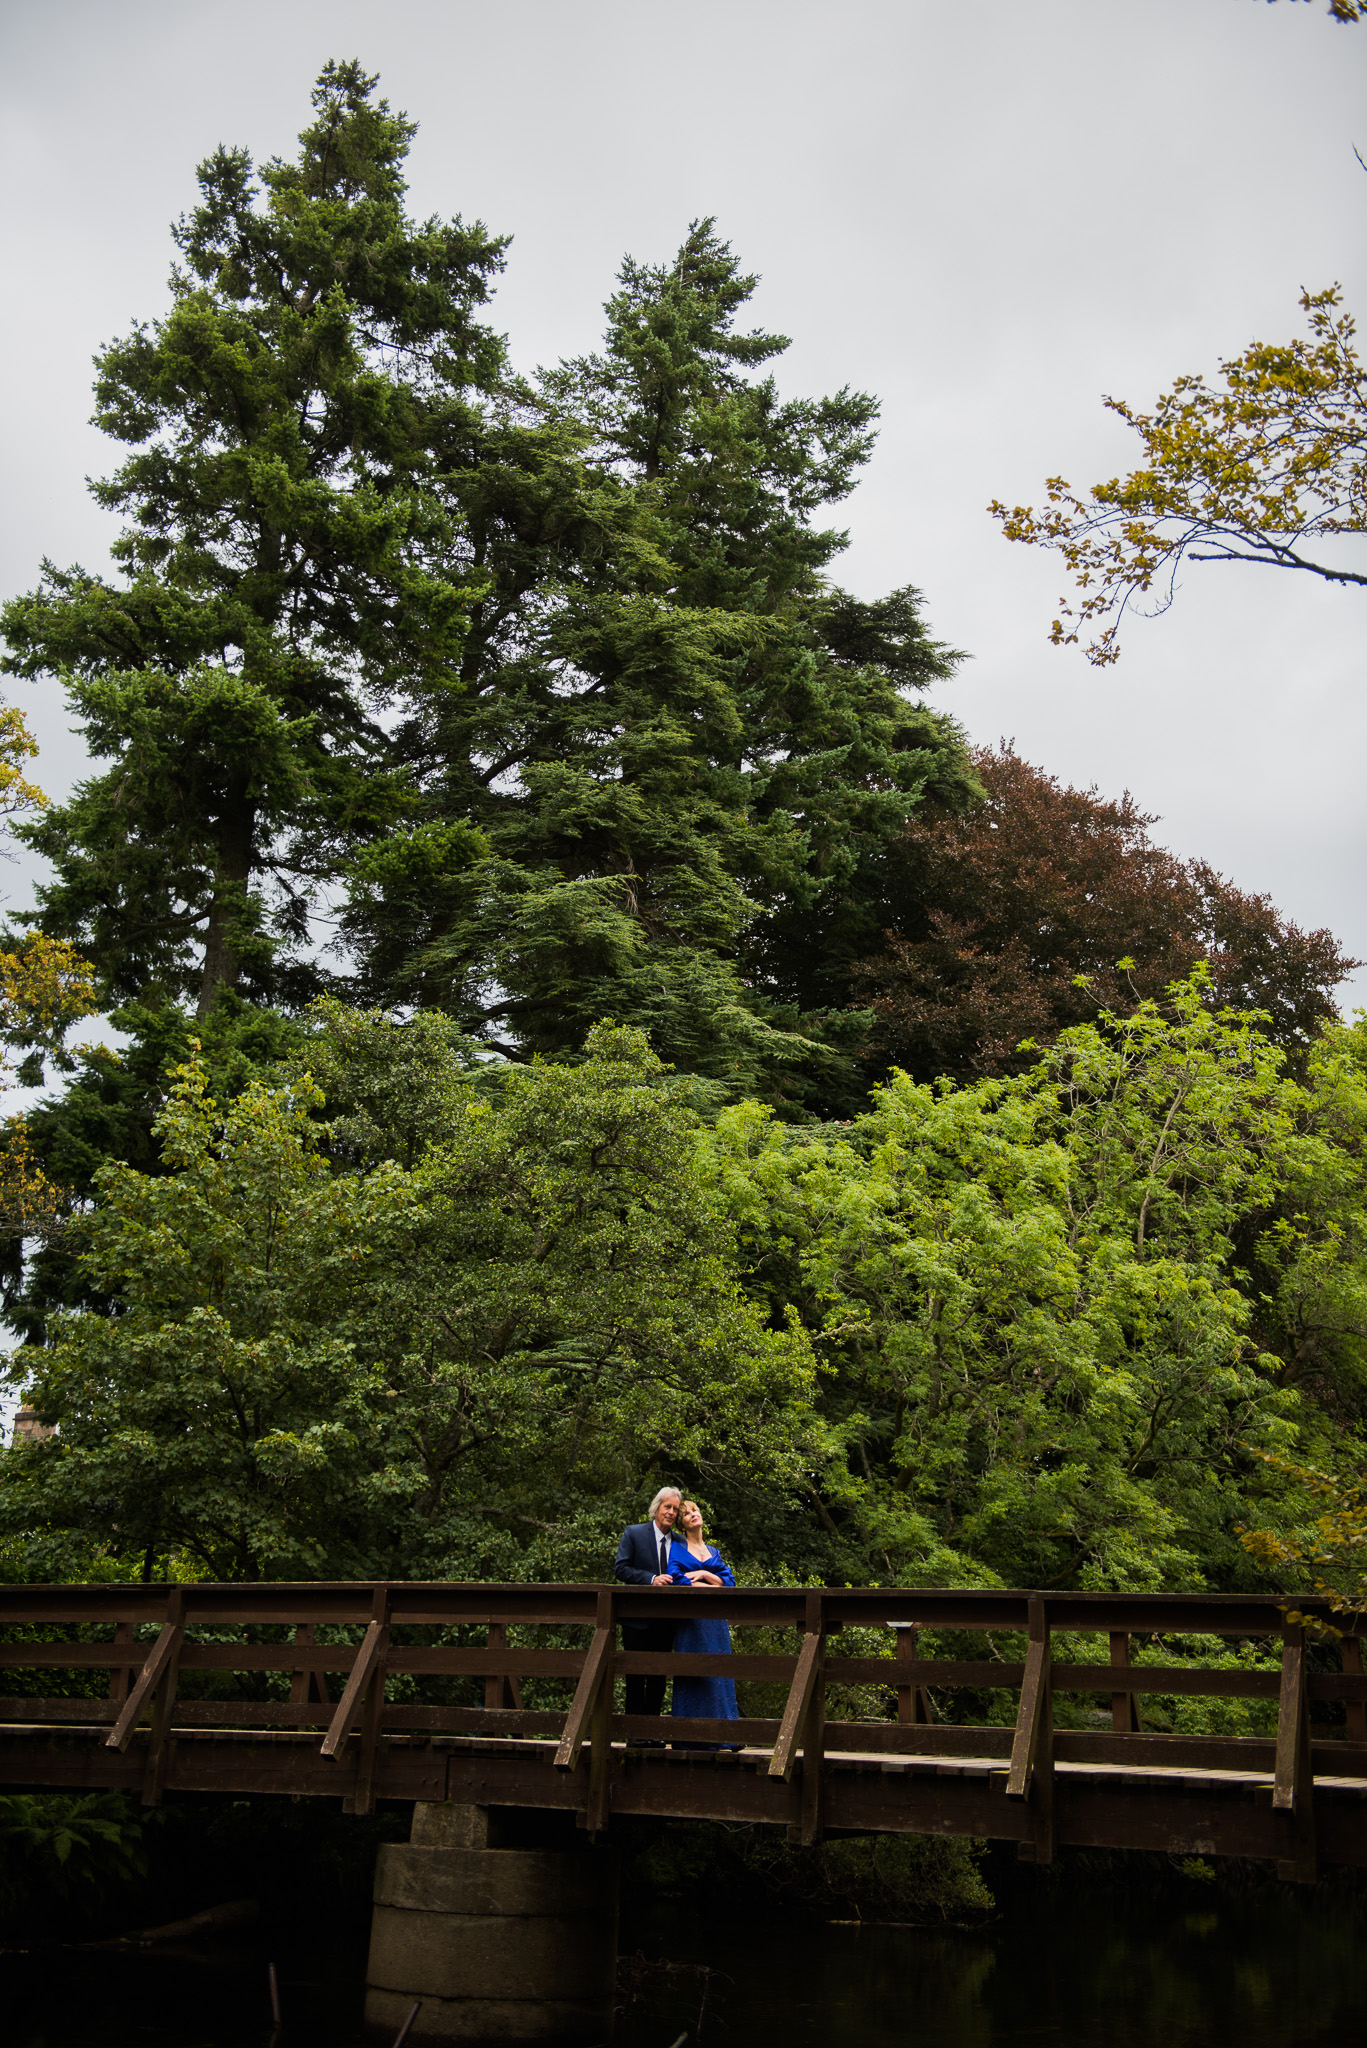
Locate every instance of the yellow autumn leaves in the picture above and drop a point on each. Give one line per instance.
(1252, 470)
(45, 987)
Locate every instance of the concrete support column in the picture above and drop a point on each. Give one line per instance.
(500, 1943)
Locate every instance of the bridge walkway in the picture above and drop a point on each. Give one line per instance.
(370, 1692)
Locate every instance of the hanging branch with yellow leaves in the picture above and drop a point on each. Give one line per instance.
(17, 744)
(31, 1205)
(1336, 1551)
(1343, 10)
(45, 987)
(1251, 472)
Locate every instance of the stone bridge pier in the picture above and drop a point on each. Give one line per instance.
(505, 1928)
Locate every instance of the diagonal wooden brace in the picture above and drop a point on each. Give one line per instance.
(1288, 1786)
(597, 1666)
(362, 1671)
(1025, 1746)
(795, 1712)
(1031, 1774)
(164, 1653)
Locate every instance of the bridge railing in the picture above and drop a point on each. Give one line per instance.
(352, 1657)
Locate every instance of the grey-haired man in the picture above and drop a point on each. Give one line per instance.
(643, 1560)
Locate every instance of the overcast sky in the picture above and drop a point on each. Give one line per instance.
(988, 212)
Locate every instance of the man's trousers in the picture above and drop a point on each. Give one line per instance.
(646, 1695)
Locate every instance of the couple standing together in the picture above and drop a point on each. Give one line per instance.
(671, 1550)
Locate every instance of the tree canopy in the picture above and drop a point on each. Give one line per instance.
(1078, 1327)
(1060, 1316)
(681, 747)
(352, 1366)
(511, 856)
(1030, 912)
(539, 690)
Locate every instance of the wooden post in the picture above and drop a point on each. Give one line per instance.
(1031, 1776)
(1293, 1782)
(501, 1689)
(597, 1807)
(121, 1675)
(1124, 1705)
(372, 1712)
(1354, 1711)
(307, 1685)
(913, 1701)
(810, 1824)
(164, 1699)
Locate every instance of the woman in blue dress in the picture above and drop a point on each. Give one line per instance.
(694, 1563)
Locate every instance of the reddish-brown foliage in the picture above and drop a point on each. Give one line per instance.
(1012, 919)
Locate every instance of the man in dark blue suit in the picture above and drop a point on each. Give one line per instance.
(643, 1560)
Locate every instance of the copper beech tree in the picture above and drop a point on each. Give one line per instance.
(1047, 904)
(1263, 469)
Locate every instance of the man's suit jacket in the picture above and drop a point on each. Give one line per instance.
(637, 1563)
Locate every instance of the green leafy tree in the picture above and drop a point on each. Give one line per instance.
(285, 557)
(342, 1366)
(1050, 1358)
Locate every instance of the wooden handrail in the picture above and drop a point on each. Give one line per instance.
(904, 1679)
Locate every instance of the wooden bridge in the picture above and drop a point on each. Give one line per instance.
(344, 1691)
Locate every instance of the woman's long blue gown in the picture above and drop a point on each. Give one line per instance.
(703, 1699)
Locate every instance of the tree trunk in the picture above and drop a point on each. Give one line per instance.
(232, 872)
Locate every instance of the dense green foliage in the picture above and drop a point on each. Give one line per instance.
(1060, 1315)
(63, 1851)
(356, 1367)
(684, 750)
(1033, 1331)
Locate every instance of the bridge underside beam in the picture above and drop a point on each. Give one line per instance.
(1192, 1814)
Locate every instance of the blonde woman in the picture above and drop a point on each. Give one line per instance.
(694, 1563)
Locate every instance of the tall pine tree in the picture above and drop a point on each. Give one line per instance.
(684, 748)
(286, 556)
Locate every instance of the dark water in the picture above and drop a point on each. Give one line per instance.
(1098, 1971)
